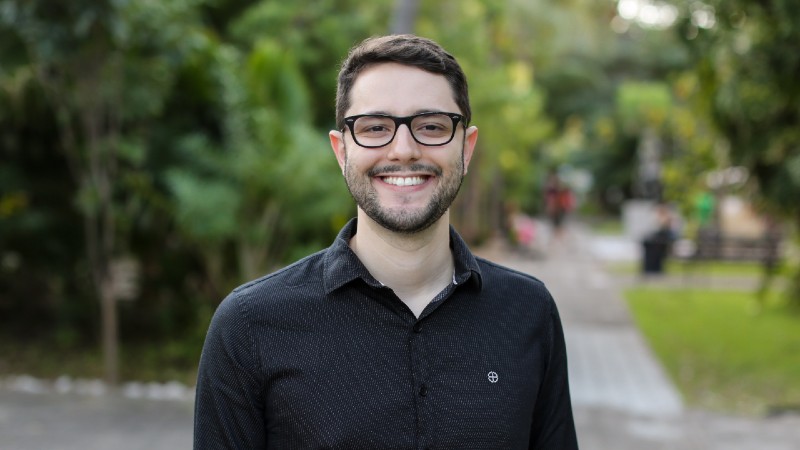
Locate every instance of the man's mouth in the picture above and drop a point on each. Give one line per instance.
(404, 181)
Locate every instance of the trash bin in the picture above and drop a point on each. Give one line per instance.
(655, 250)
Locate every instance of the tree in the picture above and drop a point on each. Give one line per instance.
(746, 60)
(747, 67)
(258, 189)
(101, 80)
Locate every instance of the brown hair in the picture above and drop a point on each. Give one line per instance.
(404, 49)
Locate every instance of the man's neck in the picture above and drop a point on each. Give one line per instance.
(415, 266)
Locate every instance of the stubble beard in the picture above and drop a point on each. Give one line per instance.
(402, 220)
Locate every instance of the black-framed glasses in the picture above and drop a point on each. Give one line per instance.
(428, 128)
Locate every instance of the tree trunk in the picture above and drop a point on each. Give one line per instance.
(496, 222)
(100, 130)
(466, 214)
(794, 290)
(404, 16)
(108, 307)
(255, 257)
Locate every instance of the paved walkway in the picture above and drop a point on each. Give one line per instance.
(31, 421)
(622, 398)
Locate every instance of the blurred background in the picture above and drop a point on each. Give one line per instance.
(156, 154)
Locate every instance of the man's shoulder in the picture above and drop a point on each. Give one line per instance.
(282, 297)
(509, 283)
(304, 275)
(520, 297)
(501, 273)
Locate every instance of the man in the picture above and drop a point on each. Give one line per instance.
(396, 336)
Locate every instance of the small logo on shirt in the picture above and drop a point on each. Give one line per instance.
(493, 377)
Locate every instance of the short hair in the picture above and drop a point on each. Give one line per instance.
(403, 49)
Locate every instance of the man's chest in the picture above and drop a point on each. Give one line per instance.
(396, 384)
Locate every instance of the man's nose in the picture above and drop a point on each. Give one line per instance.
(403, 146)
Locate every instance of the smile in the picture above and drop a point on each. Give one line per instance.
(404, 181)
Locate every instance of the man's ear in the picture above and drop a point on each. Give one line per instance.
(470, 139)
(337, 144)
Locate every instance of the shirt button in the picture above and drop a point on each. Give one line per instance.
(423, 390)
(418, 327)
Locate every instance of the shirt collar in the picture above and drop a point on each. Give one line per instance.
(343, 266)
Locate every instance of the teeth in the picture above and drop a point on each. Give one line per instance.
(404, 181)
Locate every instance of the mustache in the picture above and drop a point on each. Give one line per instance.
(398, 168)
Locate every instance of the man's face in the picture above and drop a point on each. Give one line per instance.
(404, 186)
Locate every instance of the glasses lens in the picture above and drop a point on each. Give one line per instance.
(373, 131)
(432, 129)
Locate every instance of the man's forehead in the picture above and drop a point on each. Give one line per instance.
(400, 89)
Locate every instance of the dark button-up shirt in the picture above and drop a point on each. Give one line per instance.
(321, 355)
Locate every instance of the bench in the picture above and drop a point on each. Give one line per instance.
(711, 245)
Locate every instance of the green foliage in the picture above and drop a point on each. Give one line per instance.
(643, 105)
(205, 208)
(244, 189)
(212, 168)
(272, 78)
(316, 34)
(747, 67)
(722, 354)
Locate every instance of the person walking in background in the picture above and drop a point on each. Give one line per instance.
(396, 336)
(558, 201)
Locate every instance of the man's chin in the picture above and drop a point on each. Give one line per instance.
(403, 223)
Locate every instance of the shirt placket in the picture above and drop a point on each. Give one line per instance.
(420, 369)
(420, 387)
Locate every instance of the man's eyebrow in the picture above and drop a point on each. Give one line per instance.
(429, 110)
(418, 111)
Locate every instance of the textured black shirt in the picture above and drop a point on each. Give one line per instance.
(321, 355)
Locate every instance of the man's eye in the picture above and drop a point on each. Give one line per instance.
(368, 125)
(432, 129)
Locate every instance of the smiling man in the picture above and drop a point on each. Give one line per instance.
(396, 336)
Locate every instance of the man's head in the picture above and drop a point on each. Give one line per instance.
(404, 144)
(407, 50)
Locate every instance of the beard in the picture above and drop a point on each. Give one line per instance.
(405, 220)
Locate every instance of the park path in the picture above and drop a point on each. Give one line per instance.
(53, 421)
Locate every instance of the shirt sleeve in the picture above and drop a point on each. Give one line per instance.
(553, 425)
(229, 406)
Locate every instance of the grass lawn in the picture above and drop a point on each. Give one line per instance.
(723, 351)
